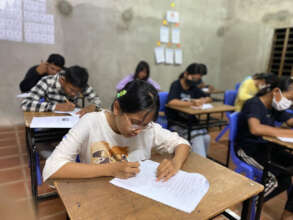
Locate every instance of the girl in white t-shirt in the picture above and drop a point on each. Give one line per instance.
(110, 143)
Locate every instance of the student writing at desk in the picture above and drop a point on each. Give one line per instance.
(61, 92)
(54, 64)
(105, 140)
(184, 92)
(257, 119)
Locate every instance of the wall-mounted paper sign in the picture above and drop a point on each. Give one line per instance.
(159, 55)
(176, 36)
(172, 16)
(164, 34)
(169, 56)
(178, 56)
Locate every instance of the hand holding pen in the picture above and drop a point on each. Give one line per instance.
(67, 106)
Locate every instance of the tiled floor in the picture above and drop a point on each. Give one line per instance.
(15, 176)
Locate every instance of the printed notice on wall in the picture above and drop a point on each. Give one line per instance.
(159, 54)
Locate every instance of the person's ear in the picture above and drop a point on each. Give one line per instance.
(116, 108)
(277, 94)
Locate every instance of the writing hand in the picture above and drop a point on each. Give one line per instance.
(68, 106)
(124, 170)
(90, 108)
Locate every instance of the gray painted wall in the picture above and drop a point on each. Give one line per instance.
(232, 37)
(96, 36)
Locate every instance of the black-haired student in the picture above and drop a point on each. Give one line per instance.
(54, 64)
(110, 143)
(142, 72)
(184, 92)
(61, 92)
(257, 119)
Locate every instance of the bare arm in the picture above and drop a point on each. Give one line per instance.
(258, 129)
(169, 168)
(73, 170)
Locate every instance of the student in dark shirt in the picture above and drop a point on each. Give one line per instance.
(257, 119)
(54, 64)
(184, 92)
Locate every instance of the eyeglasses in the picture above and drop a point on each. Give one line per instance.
(135, 126)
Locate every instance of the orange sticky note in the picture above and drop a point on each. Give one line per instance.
(177, 24)
(178, 45)
(169, 44)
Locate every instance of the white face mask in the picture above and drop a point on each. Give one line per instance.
(261, 86)
(283, 104)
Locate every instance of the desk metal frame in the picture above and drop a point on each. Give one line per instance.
(34, 137)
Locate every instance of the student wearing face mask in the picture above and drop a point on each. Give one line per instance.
(256, 120)
(250, 87)
(184, 92)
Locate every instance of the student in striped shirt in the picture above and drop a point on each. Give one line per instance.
(61, 92)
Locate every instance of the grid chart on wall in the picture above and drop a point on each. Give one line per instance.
(168, 49)
(26, 20)
(281, 60)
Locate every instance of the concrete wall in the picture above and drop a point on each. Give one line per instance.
(248, 33)
(96, 36)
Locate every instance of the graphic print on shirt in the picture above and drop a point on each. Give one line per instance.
(102, 152)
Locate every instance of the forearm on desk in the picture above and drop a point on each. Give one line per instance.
(181, 153)
(180, 103)
(73, 170)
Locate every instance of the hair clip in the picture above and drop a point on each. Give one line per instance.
(121, 93)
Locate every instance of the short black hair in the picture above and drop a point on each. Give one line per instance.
(203, 69)
(140, 96)
(56, 59)
(142, 66)
(77, 76)
(193, 69)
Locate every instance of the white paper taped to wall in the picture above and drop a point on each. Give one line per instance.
(178, 56)
(169, 56)
(160, 54)
(164, 34)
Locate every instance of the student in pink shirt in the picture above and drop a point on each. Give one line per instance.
(142, 72)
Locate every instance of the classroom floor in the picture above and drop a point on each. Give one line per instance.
(15, 175)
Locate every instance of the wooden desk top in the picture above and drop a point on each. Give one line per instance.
(28, 116)
(217, 92)
(98, 199)
(218, 107)
(277, 141)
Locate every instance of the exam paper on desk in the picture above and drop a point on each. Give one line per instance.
(183, 191)
(54, 122)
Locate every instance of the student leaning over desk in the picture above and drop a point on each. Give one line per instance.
(110, 143)
(257, 119)
(184, 92)
(61, 92)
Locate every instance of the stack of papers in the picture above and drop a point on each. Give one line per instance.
(72, 113)
(285, 139)
(183, 191)
(204, 106)
(54, 122)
